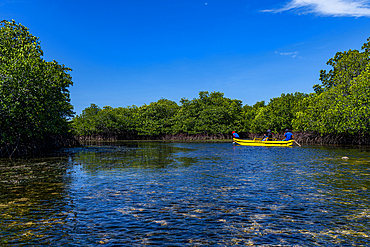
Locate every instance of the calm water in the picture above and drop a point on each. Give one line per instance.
(187, 194)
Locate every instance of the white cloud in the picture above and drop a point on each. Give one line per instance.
(356, 8)
(291, 54)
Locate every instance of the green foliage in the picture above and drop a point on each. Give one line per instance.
(87, 122)
(153, 119)
(340, 109)
(157, 117)
(34, 98)
(127, 119)
(262, 121)
(343, 104)
(278, 114)
(358, 112)
(96, 121)
(248, 115)
(211, 113)
(346, 66)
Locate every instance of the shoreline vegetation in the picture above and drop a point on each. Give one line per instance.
(36, 115)
(300, 137)
(34, 97)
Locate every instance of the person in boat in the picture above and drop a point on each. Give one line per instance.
(235, 135)
(288, 135)
(267, 136)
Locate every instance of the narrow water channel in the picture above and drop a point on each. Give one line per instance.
(187, 194)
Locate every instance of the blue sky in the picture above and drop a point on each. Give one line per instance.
(134, 52)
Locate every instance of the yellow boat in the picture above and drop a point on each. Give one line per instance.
(259, 142)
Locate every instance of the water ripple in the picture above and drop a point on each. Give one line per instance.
(176, 194)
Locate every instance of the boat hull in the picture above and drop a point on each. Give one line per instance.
(259, 142)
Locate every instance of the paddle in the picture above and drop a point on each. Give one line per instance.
(297, 143)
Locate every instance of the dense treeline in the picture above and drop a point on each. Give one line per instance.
(341, 104)
(338, 108)
(210, 115)
(34, 100)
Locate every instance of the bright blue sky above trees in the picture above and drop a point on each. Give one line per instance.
(136, 52)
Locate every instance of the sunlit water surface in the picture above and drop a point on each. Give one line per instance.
(187, 194)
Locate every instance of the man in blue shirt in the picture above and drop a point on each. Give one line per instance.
(235, 135)
(288, 135)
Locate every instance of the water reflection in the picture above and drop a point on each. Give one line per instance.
(129, 155)
(175, 194)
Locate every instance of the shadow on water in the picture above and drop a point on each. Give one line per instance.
(176, 194)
